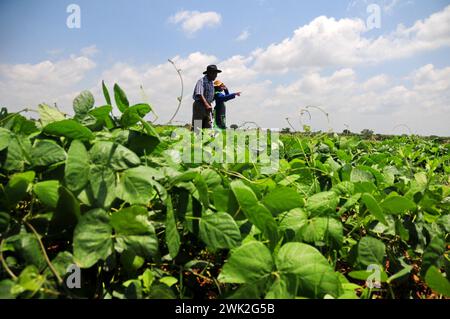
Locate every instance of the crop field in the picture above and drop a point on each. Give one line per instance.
(98, 205)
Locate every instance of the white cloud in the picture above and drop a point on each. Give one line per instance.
(330, 42)
(244, 35)
(193, 21)
(89, 51)
(160, 82)
(421, 99)
(26, 85)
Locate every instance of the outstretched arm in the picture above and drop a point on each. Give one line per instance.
(221, 97)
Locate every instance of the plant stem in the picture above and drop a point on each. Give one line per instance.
(4, 264)
(50, 265)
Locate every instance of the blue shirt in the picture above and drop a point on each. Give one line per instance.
(204, 87)
(224, 96)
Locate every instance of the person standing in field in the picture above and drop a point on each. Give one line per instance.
(222, 95)
(203, 97)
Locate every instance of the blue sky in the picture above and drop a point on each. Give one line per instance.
(138, 30)
(139, 36)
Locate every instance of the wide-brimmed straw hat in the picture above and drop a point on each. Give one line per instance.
(218, 83)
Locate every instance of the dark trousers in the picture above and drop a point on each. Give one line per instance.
(220, 111)
(201, 118)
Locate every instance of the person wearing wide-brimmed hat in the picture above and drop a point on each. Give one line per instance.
(203, 97)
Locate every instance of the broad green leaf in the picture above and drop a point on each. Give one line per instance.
(28, 250)
(5, 219)
(212, 178)
(256, 213)
(405, 271)
(120, 98)
(114, 155)
(147, 279)
(101, 112)
(83, 102)
(6, 286)
(106, 93)
(17, 188)
(436, 281)
(172, 235)
(136, 185)
(363, 275)
(48, 114)
(344, 188)
(247, 263)
(47, 152)
(141, 143)
(47, 192)
(134, 232)
(444, 222)
(202, 189)
(102, 116)
(61, 262)
(184, 177)
(30, 280)
(322, 204)
(316, 277)
(421, 180)
(131, 262)
(370, 251)
(294, 220)
(359, 175)
(130, 221)
(284, 287)
(18, 153)
(373, 207)
(70, 129)
(282, 199)
(133, 289)
(219, 231)
(254, 290)
(397, 204)
(349, 203)
(133, 114)
(5, 137)
(365, 187)
(86, 119)
(220, 198)
(434, 250)
(320, 231)
(149, 129)
(169, 281)
(161, 291)
(92, 239)
(76, 171)
(20, 125)
(102, 186)
(67, 211)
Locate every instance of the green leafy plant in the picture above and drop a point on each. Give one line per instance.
(101, 191)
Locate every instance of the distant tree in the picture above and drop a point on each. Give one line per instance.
(286, 130)
(346, 132)
(234, 127)
(366, 133)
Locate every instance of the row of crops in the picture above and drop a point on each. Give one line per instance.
(97, 206)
